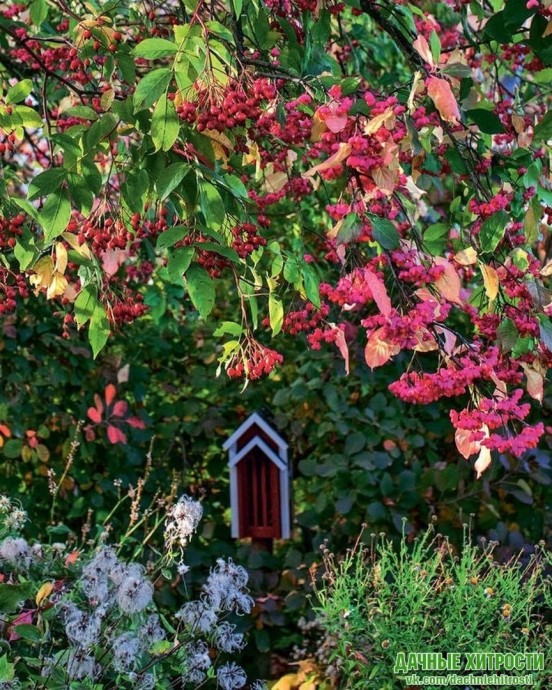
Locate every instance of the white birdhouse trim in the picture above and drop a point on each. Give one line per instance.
(257, 420)
(275, 486)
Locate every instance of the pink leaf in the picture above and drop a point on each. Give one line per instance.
(422, 47)
(120, 408)
(441, 94)
(465, 445)
(25, 618)
(448, 284)
(98, 402)
(136, 422)
(343, 347)
(94, 415)
(535, 382)
(335, 123)
(379, 292)
(115, 435)
(110, 393)
(483, 461)
(112, 259)
(379, 351)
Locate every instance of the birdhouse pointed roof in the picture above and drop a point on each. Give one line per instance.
(256, 419)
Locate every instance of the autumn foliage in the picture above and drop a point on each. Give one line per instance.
(373, 176)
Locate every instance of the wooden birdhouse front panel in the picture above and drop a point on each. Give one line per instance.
(259, 481)
(259, 497)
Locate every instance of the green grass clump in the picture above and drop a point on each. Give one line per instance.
(423, 597)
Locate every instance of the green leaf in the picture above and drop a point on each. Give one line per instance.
(25, 250)
(507, 334)
(227, 252)
(12, 449)
(492, 231)
(170, 178)
(99, 329)
(39, 11)
(211, 203)
(275, 313)
(154, 48)
(170, 237)
(151, 87)
(55, 214)
(86, 304)
(488, 122)
(384, 232)
(46, 182)
(26, 207)
(435, 46)
(19, 92)
(165, 124)
(201, 289)
(179, 263)
(543, 129)
(13, 595)
(436, 238)
(349, 229)
(237, 5)
(101, 129)
(311, 284)
(26, 117)
(220, 30)
(228, 328)
(28, 632)
(7, 669)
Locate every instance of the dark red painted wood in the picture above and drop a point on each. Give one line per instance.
(253, 431)
(259, 496)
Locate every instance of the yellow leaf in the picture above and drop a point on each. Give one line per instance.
(490, 280)
(548, 29)
(547, 269)
(57, 286)
(61, 257)
(44, 592)
(518, 123)
(340, 155)
(373, 125)
(274, 180)
(253, 156)
(287, 682)
(107, 99)
(81, 249)
(43, 270)
(466, 257)
(413, 91)
(333, 232)
(318, 127)
(219, 138)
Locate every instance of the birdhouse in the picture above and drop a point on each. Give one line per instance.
(259, 481)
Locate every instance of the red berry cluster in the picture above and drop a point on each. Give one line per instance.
(212, 262)
(125, 308)
(246, 239)
(101, 233)
(305, 319)
(12, 285)
(233, 108)
(10, 229)
(253, 361)
(7, 143)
